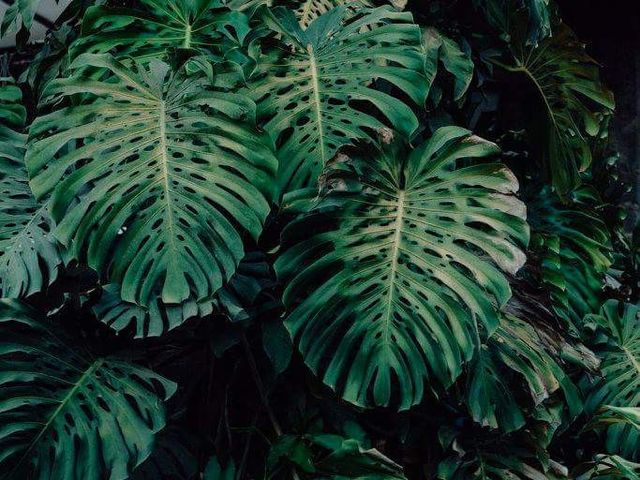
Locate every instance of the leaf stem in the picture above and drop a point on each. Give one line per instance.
(263, 394)
(260, 386)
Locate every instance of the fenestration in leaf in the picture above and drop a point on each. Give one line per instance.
(574, 104)
(575, 249)
(158, 27)
(309, 10)
(29, 257)
(65, 415)
(403, 268)
(309, 84)
(155, 177)
(617, 341)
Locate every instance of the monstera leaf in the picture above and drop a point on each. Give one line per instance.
(328, 456)
(309, 85)
(478, 456)
(160, 26)
(234, 299)
(65, 415)
(535, 353)
(537, 17)
(29, 256)
(155, 177)
(575, 248)
(308, 10)
(440, 49)
(574, 103)
(617, 341)
(403, 266)
(608, 467)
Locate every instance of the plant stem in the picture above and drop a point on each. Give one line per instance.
(260, 386)
(263, 394)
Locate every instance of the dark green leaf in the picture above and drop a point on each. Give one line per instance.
(65, 415)
(403, 266)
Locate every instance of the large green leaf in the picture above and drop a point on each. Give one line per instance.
(574, 104)
(315, 88)
(575, 251)
(29, 257)
(155, 177)
(617, 341)
(65, 415)
(401, 266)
(159, 26)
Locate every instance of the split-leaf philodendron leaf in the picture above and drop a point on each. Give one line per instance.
(67, 415)
(617, 327)
(160, 26)
(312, 85)
(29, 255)
(289, 239)
(406, 271)
(155, 177)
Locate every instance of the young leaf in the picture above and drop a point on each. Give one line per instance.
(403, 264)
(440, 49)
(155, 177)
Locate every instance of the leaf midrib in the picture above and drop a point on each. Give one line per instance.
(397, 237)
(165, 183)
(632, 359)
(316, 99)
(63, 403)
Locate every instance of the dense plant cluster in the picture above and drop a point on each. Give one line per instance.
(313, 239)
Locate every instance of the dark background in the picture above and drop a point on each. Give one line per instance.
(611, 30)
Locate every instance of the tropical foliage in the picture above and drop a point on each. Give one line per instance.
(250, 239)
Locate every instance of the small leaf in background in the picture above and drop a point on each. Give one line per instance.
(215, 471)
(440, 50)
(277, 344)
